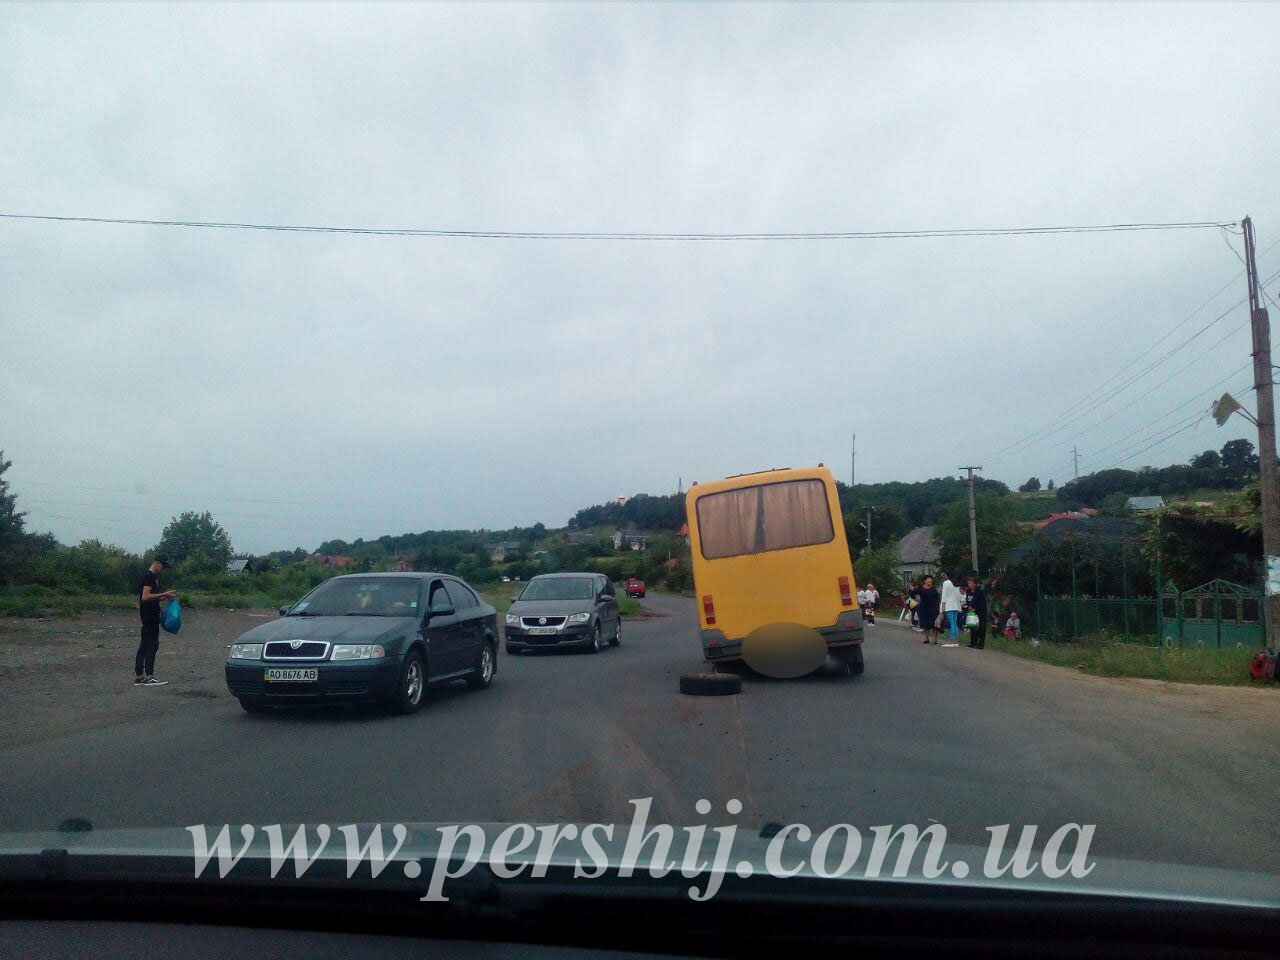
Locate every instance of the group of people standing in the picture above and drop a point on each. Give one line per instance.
(957, 604)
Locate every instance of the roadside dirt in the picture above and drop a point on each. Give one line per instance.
(65, 675)
(1246, 704)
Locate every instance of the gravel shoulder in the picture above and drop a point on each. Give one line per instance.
(66, 675)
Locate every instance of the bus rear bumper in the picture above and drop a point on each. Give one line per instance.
(845, 632)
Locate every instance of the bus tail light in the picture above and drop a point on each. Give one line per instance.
(709, 609)
(846, 598)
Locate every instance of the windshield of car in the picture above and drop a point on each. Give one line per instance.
(350, 351)
(361, 597)
(559, 588)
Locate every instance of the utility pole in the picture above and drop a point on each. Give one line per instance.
(973, 520)
(853, 462)
(868, 528)
(1266, 416)
(1075, 459)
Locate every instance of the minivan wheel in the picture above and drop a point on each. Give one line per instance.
(483, 675)
(596, 644)
(617, 635)
(412, 685)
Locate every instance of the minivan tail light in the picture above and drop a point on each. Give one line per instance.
(709, 609)
(846, 598)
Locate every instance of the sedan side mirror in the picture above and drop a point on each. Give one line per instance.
(440, 610)
(284, 610)
(604, 597)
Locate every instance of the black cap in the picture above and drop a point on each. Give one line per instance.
(163, 560)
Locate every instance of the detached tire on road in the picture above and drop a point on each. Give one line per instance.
(710, 684)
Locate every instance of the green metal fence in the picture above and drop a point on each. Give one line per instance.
(1218, 614)
(1062, 618)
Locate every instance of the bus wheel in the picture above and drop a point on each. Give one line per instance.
(710, 684)
(851, 657)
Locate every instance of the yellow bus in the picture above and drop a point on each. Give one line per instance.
(772, 573)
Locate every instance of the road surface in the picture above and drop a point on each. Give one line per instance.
(966, 738)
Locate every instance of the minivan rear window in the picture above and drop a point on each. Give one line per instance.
(770, 516)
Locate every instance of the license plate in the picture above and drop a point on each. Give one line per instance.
(541, 631)
(291, 673)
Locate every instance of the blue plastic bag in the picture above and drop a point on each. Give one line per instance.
(171, 618)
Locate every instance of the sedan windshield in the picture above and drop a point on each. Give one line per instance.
(559, 588)
(362, 597)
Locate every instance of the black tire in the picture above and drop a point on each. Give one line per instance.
(486, 664)
(597, 643)
(710, 684)
(851, 657)
(250, 707)
(617, 635)
(409, 694)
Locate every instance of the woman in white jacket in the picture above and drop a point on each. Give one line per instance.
(952, 604)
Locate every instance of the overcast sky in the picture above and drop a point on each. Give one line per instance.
(310, 386)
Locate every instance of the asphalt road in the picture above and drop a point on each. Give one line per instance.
(966, 738)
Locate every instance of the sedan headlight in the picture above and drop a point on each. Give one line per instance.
(579, 618)
(358, 651)
(246, 651)
(512, 620)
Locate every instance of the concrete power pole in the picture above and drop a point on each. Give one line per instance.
(868, 528)
(973, 520)
(1266, 416)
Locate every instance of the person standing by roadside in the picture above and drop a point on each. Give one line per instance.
(149, 597)
(869, 608)
(952, 603)
(975, 600)
(927, 611)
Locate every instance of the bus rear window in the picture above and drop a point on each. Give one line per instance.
(771, 516)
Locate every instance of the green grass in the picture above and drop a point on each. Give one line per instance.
(628, 606)
(1110, 659)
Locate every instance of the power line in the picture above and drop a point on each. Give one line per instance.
(223, 515)
(1029, 441)
(1076, 410)
(240, 468)
(626, 235)
(1157, 443)
(1023, 454)
(1121, 388)
(1147, 426)
(1092, 394)
(200, 496)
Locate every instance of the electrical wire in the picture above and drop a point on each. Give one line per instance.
(200, 496)
(626, 235)
(1075, 410)
(1147, 426)
(1024, 454)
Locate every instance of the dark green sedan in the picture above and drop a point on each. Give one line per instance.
(377, 637)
